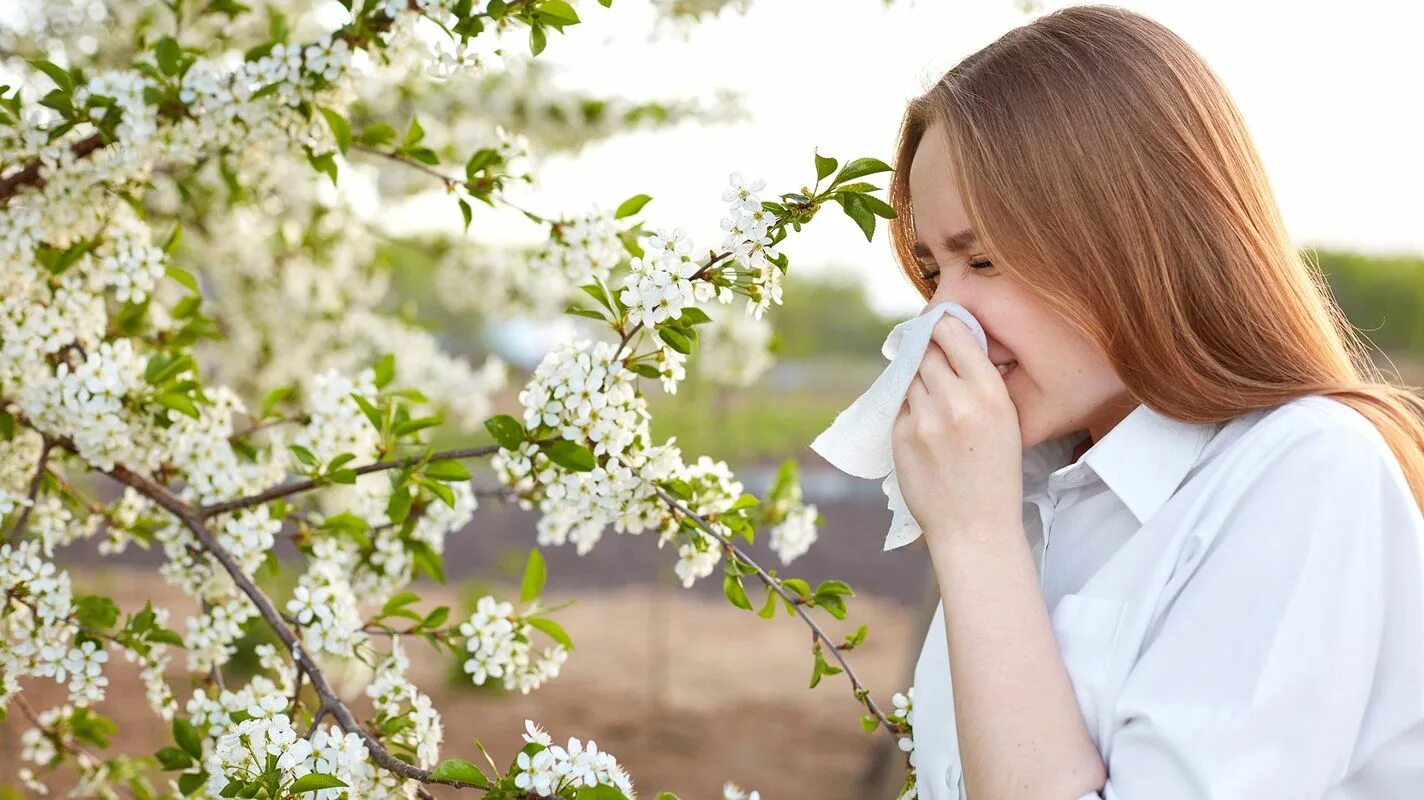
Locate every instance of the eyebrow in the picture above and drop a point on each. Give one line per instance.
(956, 243)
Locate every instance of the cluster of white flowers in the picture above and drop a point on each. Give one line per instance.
(587, 248)
(793, 536)
(336, 424)
(551, 769)
(905, 714)
(210, 637)
(659, 284)
(240, 753)
(87, 402)
(325, 609)
(37, 630)
(747, 237)
(714, 490)
(498, 646)
(393, 695)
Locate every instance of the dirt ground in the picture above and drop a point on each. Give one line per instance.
(686, 691)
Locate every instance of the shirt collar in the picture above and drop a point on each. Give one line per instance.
(1142, 460)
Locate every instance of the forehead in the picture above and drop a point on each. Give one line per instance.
(934, 197)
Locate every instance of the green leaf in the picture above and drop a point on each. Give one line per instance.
(768, 610)
(859, 168)
(340, 128)
(857, 209)
(303, 455)
(570, 455)
(537, 39)
(558, 11)
(535, 572)
(554, 630)
(377, 135)
(824, 166)
(385, 370)
(458, 769)
(190, 782)
(631, 206)
(182, 276)
(398, 602)
(435, 618)
(427, 560)
(878, 207)
(274, 397)
(447, 471)
(586, 312)
(171, 758)
(96, 613)
(676, 339)
(418, 424)
(169, 55)
(413, 134)
(56, 73)
(372, 413)
(507, 431)
(732, 588)
(466, 212)
(313, 781)
(186, 735)
(398, 505)
(181, 403)
(324, 164)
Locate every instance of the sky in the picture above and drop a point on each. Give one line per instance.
(1332, 93)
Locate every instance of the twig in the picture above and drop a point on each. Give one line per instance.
(330, 702)
(307, 485)
(30, 174)
(796, 605)
(35, 482)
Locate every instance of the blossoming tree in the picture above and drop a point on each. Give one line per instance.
(197, 355)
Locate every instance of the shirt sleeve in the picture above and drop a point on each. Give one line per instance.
(1261, 670)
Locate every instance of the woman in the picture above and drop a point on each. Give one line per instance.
(1178, 540)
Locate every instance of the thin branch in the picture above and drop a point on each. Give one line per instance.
(33, 494)
(795, 603)
(29, 175)
(192, 520)
(712, 260)
(307, 485)
(450, 183)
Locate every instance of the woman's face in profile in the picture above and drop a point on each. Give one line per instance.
(1061, 382)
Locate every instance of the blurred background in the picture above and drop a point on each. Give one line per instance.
(686, 690)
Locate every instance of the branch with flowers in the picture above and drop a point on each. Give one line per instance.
(113, 329)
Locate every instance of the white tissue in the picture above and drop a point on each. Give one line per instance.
(858, 442)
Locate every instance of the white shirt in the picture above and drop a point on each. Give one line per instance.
(1239, 606)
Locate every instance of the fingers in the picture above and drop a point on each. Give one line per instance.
(966, 359)
(918, 395)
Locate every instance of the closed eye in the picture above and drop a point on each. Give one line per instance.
(930, 272)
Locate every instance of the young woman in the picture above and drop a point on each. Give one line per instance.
(1174, 512)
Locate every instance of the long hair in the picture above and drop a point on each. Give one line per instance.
(1105, 167)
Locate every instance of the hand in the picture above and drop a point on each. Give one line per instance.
(956, 443)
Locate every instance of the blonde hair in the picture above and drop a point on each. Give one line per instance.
(1104, 166)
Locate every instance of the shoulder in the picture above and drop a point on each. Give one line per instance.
(1312, 464)
(1313, 430)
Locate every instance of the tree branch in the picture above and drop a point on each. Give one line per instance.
(307, 485)
(34, 492)
(29, 175)
(796, 604)
(330, 701)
